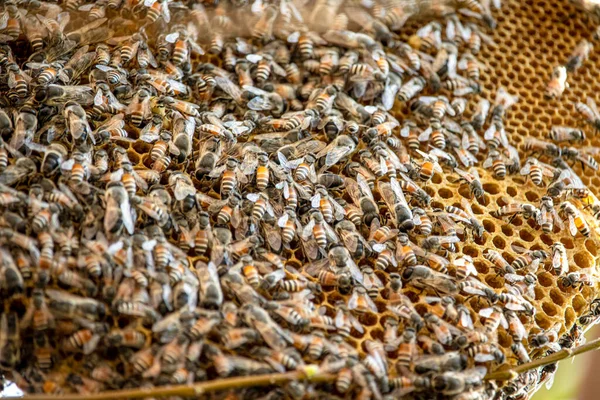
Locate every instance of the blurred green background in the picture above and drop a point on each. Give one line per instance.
(571, 375)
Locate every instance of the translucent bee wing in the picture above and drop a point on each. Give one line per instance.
(424, 136)
(572, 226)
(481, 357)
(127, 217)
(592, 105)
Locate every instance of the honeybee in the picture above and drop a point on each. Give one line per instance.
(361, 195)
(396, 202)
(360, 302)
(566, 134)
(589, 111)
(586, 160)
(580, 54)
(529, 259)
(500, 264)
(472, 178)
(560, 262)
(320, 230)
(425, 278)
(579, 279)
(513, 209)
(536, 171)
(338, 261)
(576, 220)
(352, 239)
(548, 217)
(525, 284)
(480, 114)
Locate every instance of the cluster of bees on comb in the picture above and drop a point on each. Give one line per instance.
(192, 191)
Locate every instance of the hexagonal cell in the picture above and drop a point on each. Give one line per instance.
(583, 260)
(546, 279)
(499, 242)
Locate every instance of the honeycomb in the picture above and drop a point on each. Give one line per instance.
(532, 38)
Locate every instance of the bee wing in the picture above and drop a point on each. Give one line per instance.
(307, 230)
(283, 220)
(315, 267)
(127, 217)
(424, 136)
(91, 345)
(465, 319)
(486, 312)
(315, 201)
(513, 278)
(331, 235)
(273, 237)
(336, 154)
(339, 211)
(572, 227)
(592, 105)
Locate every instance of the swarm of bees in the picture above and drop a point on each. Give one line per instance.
(194, 191)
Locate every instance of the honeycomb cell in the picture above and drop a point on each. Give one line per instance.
(539, 293)
(532, 197)
(578, 303)
(557, 297)
(583, 260)
(568, 243)
(550, 308)
(545, 279)
(489, 226)
(445, 193)
(543, 321)
(570, 316)
(591, 247)
(525, 234)
(470, 251)
(499, 242)
(491, 188)
(507, 230)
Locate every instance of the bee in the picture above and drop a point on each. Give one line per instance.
(579, 279)
(464, 267)
(139, 108)
(500, 264)
(523, 283)
(486, 352)
(535, 171)
(589, 111)
(231, 176)
(211, 295)
(396, 202)
(422, 221)
(566, 134)
(435, 243)
(576, 220)
(423, 277)
(360, 302)
(320, 230)
(548, 217)
(118, 210)
(480, 114)
(560, 262)
(586, 160)
(579, 55)
(328, 206)
(513, 209)
(545, 338)
(529, 259)
(472, 178)
(411, 88)
(404, 252)
(429, 166)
